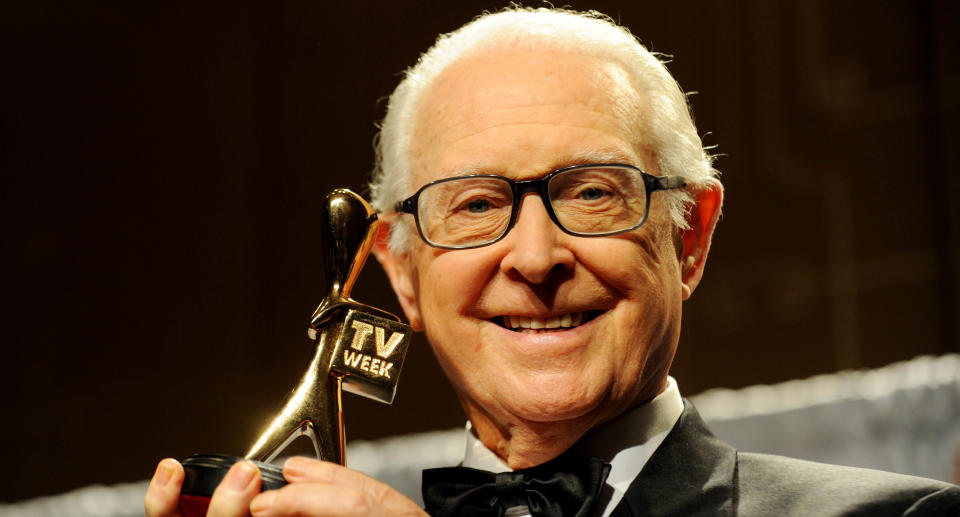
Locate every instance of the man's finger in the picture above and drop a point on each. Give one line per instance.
(300, 469)
(314, 500)
(163, 495)
(323, 488)
(327, 500)
(232, 497)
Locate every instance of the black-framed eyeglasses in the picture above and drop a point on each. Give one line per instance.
(592, 200)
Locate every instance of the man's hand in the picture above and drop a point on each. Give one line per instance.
(319, 488)
(231, 498)
(316, 489)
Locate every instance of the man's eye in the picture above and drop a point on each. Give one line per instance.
(478, 206)
(592, 194)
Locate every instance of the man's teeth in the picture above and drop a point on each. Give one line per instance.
(564, 321)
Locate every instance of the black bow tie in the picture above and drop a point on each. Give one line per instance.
(567, 486)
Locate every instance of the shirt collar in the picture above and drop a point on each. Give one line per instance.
(628, 441)
(478, 456)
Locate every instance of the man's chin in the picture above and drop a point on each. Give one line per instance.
(550, 405)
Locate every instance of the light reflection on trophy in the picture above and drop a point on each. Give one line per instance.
(359, 349)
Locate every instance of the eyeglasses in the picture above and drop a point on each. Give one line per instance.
(592, 200)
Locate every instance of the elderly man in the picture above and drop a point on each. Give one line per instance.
(551, 207)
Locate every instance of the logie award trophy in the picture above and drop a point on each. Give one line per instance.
(359, 348)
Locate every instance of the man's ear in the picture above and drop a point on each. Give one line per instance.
(399, 271)
(701, 219)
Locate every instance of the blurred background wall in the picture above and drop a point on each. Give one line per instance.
(163, 163)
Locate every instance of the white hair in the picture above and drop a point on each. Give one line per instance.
(669, 125)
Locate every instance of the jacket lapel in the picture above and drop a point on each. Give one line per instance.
(692, 473)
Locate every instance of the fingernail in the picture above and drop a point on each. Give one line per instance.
(296, 466)
(263, 502)
(240, 476)
(164, 473)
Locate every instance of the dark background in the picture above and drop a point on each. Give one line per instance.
(163, 164)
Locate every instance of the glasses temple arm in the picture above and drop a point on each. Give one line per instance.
(668, 182)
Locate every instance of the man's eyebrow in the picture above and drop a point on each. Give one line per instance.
(580, 157)
(464, 171)
(608, 155)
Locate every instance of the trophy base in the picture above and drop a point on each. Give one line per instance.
(203, 472)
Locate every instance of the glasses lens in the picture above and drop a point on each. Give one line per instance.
(599, 200)
(465, 212)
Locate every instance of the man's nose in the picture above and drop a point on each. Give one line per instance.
(536, 250)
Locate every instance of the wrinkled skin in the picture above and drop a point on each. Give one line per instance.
(531, 395)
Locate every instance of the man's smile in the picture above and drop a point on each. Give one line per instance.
(534, 324)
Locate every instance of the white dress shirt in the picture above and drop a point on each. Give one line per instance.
(626, 443)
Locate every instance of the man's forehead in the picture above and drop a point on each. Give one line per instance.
(522, 93)
(517, 78)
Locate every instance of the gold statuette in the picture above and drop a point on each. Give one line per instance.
(359, 348)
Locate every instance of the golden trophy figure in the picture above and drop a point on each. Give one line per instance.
(359, 349)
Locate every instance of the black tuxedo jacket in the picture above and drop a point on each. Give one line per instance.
(693, 473)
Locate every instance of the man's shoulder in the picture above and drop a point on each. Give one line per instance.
(777, 485)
